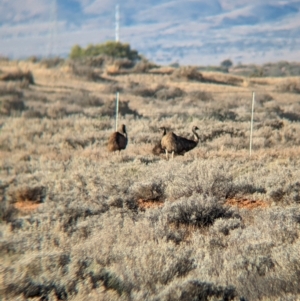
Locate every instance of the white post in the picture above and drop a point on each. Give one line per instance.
(117, 110)
(117, 23)
(251, 128)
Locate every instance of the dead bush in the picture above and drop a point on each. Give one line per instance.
(273, 111)
(290, 86)
(162, 70)
(86, 71)
(76, 143)
(94, 61)
(286, 193)
(219, 132)
(113, 88)
(110, 281)
(33, 59)
(152, 190)
(19, 75)
(147, 92)
(10, 90)
(108, 109)
(7, 210)
(143, 66)
(95, 76)
(113, 69)
(124, 63)
(59, 110)
(198, 290)
(262, 99)
(157, 149)
(160, 92)
(197, 211)
(10, 104)
(167, 93)
(291, 116)
(201, 95)
(31, 289)
(226, 225)
(222, 79)
(52, 62)
(274, 124)
(87, 100)
(34, 194)
(187, 73)
(32, 114)
(223, 115)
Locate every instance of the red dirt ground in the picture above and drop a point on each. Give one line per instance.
(149, 204)
(26, 206)
(246, 203)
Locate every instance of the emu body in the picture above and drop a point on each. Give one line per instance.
(118, 140)
(174, 144)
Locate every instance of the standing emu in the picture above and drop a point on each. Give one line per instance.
(118, 140)
(172, 143)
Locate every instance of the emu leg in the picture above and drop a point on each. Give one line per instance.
(167, 155)
(172, 155)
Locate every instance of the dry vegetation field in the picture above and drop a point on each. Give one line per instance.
(79, 223)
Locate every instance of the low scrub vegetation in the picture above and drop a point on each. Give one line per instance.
(280, 69)
(80, 223)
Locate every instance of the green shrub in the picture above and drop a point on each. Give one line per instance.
(110, 48)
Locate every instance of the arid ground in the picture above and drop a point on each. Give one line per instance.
(80, 223)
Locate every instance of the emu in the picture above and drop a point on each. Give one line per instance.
(157, 149)
(174, 144)
(118, 140)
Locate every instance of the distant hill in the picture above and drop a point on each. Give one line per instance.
(189, 32)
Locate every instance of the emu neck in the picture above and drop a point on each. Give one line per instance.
(196, 136)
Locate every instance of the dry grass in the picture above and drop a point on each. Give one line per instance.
(79, 223)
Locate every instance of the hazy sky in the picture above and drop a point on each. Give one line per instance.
(190, 32)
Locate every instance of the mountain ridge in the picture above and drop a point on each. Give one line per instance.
(164, 31)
